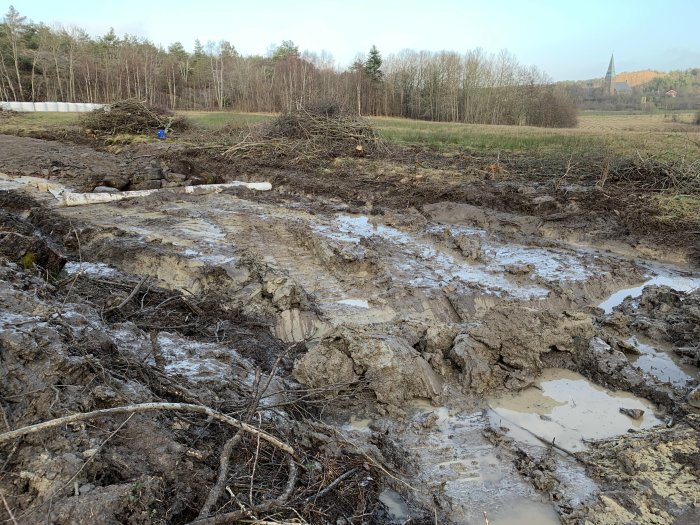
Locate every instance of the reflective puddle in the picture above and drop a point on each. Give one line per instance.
(566, 408)
(663, 365)
(676, 282)
(520, 511)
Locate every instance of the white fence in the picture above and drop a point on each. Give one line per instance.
(61, 107)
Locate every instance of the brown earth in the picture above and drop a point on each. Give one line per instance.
(401, 289)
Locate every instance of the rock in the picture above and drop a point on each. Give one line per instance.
(175, 177)
(626, 347)
(519, 269)
(634, 413)
(119, 182)
(694, 397)
(146, 185)
(105, 189)
(469, 246)
(153, 173)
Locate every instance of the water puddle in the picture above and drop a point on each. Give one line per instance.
(358, 424)
(396, 506)
(357, 303)
(676, 282)
(565, 407)
(663, 365)
(422, 264)
(93, 269)
(520, 511)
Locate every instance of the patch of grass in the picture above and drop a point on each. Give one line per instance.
(678, 208)
(610, 135)
(220, 119)
(24, 123)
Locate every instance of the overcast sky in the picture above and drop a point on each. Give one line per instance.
(567, 39)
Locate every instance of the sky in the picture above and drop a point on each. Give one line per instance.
(567, 39)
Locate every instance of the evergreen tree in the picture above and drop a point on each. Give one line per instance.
(373, 65)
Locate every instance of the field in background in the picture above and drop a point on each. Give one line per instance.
(609, 133)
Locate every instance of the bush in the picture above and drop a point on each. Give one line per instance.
(132, 117)
(551, 107)
(697, 117)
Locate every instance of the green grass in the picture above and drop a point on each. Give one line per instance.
(219, 119)
(611, 133)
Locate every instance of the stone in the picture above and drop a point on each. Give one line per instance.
(175, 177)
(634, 413)
(146, 185)
(105, 189)
(119, 182)
(694, 397)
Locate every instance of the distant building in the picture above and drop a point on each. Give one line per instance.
(610, 86)
(671, 93)
(622, 88)
(608, 83)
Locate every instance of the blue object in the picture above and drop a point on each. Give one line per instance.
(161, 133)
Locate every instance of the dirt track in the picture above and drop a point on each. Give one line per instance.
(440, 291)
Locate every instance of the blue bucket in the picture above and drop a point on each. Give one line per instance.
(161, 133)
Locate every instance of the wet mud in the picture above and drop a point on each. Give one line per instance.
(494, 365)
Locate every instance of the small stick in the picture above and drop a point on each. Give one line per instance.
(7, 508)
(131, 295)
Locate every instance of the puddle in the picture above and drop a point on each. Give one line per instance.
(395, 505)
(566, 407)
(520, 511)
(358, 424)
(421, 264)
(663, 365)
(93, 269)
(674, 281)
(357, 303)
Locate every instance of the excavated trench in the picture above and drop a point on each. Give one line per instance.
(497, 356)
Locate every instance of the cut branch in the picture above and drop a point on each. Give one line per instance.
(148, 407)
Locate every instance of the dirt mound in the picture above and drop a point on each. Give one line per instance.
(131, 117)
(311, 133)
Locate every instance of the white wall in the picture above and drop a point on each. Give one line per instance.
(64, 107)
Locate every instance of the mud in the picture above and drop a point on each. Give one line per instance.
(467, 355)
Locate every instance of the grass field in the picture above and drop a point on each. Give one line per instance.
(612, 133)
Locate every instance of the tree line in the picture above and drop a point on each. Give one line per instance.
(42, 63)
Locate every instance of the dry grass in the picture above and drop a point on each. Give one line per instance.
(678, 208)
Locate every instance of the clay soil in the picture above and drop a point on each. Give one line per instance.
(362, 319)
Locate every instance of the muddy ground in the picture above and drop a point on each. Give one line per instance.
(438, 338)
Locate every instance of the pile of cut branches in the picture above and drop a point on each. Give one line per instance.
(309, 134)
(678, 175)
(6, 114)
(131, 116)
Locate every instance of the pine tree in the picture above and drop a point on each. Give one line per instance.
(373, 65)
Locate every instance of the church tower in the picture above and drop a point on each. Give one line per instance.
(609, 83)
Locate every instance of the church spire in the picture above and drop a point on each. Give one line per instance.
(609, 84)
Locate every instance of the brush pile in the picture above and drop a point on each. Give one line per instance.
(309, 134)
(678, 175)
(6, 114)
(131, 116)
